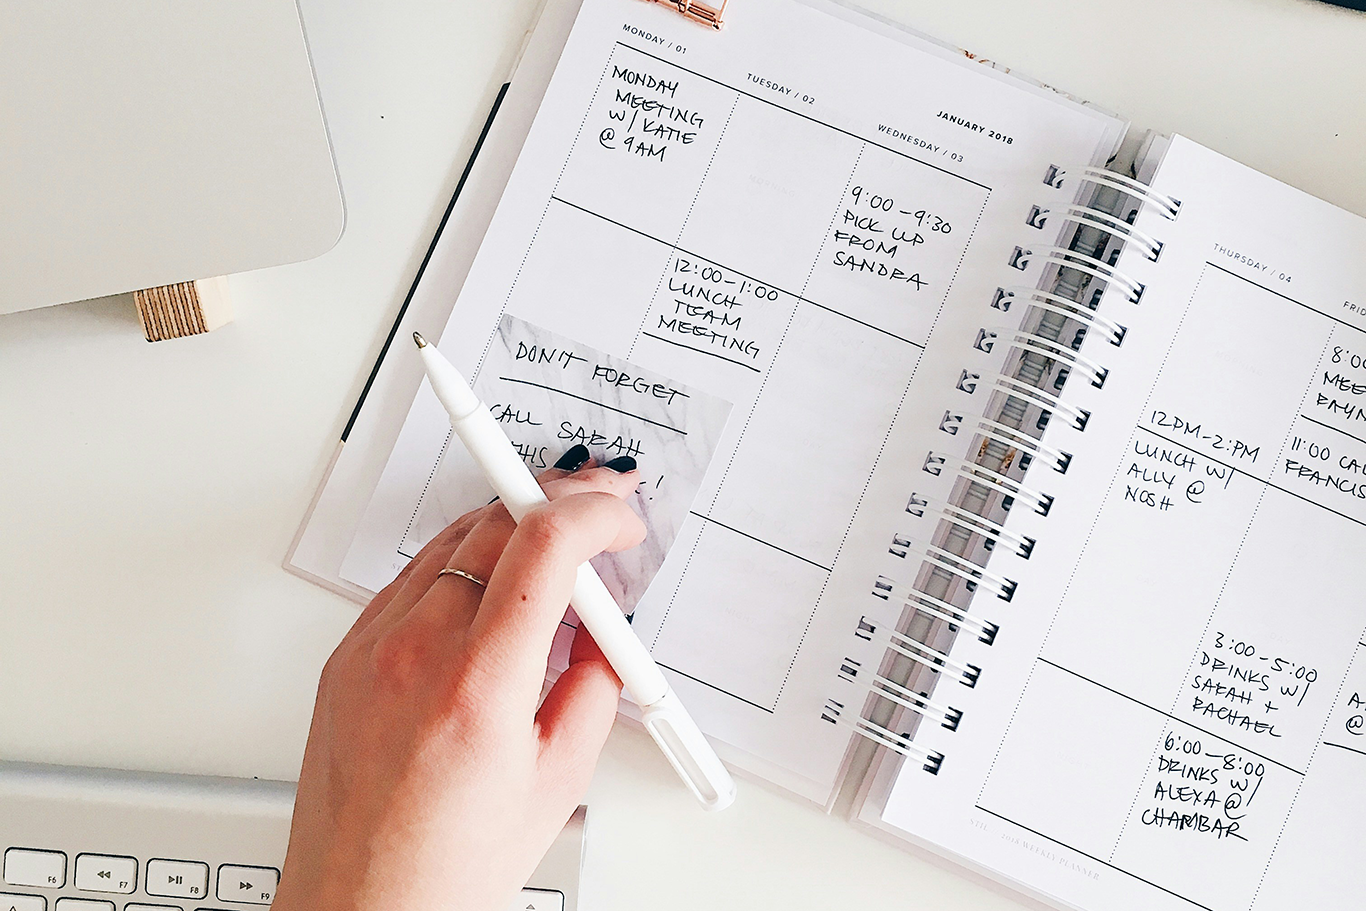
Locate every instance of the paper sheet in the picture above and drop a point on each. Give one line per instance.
(803, 214)
(1172, 714)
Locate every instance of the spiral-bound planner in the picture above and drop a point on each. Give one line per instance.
(1043, 477)
(1123, 660)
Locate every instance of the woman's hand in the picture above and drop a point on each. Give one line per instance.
(431, 779)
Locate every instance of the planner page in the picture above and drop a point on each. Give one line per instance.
(783, 214)
(550, 393)
(1172, 714)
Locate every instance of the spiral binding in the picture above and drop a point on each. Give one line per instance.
(1103, 221)
(971, 522)
(986, 339)
(1081, 262)
(887, 688)
(1062, 306)
(955, 565)
(1046, 401)
(935, 463)
(1007, 436)
(887, 589)
(950, 565)
(898, 742)
(915, 650)
(1167, 205)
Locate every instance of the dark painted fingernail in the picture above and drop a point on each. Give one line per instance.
(573, 459)
(621, 464)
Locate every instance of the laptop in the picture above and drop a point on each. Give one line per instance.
(152, 142)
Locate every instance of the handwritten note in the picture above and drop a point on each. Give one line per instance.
(646, 116)
(551, 393)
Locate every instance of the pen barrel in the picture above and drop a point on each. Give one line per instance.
(662, 712)
(494, 453)
(598, 610)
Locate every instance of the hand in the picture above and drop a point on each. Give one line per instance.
(431, 779)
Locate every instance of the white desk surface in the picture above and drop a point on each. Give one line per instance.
(149, 492)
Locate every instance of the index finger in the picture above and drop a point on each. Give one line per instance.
(529, 590)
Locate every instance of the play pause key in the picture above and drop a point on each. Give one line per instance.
(177, 878)
(253, 885)
(106, 873)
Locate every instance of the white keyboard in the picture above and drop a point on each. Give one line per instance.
(99, 840)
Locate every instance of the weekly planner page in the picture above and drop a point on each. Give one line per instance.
(779, 215)
(1174, 713)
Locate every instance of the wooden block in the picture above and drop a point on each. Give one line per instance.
(187, 308)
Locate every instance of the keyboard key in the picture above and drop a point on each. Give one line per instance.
(135, 907)
(252, 885)
(176, 879)
(40, 869)
(10, 902)
(538, 900)
(83, 904)
(106, 873)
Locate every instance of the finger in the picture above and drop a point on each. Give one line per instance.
(607, 480)
(452, 601)
(574, 458)
(577, 714)
(437, 549)
(418, 576)
(529, 590)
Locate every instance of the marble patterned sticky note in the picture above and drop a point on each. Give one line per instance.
(550, 392)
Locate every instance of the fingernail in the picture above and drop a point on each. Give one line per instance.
(573, 459)
(621, 464)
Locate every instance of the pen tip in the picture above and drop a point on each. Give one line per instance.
(419, 340)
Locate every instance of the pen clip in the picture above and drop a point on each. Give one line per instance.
(688, 751)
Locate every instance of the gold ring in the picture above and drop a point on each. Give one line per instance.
(448, 571)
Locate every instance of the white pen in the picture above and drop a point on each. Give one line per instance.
(661, 710)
